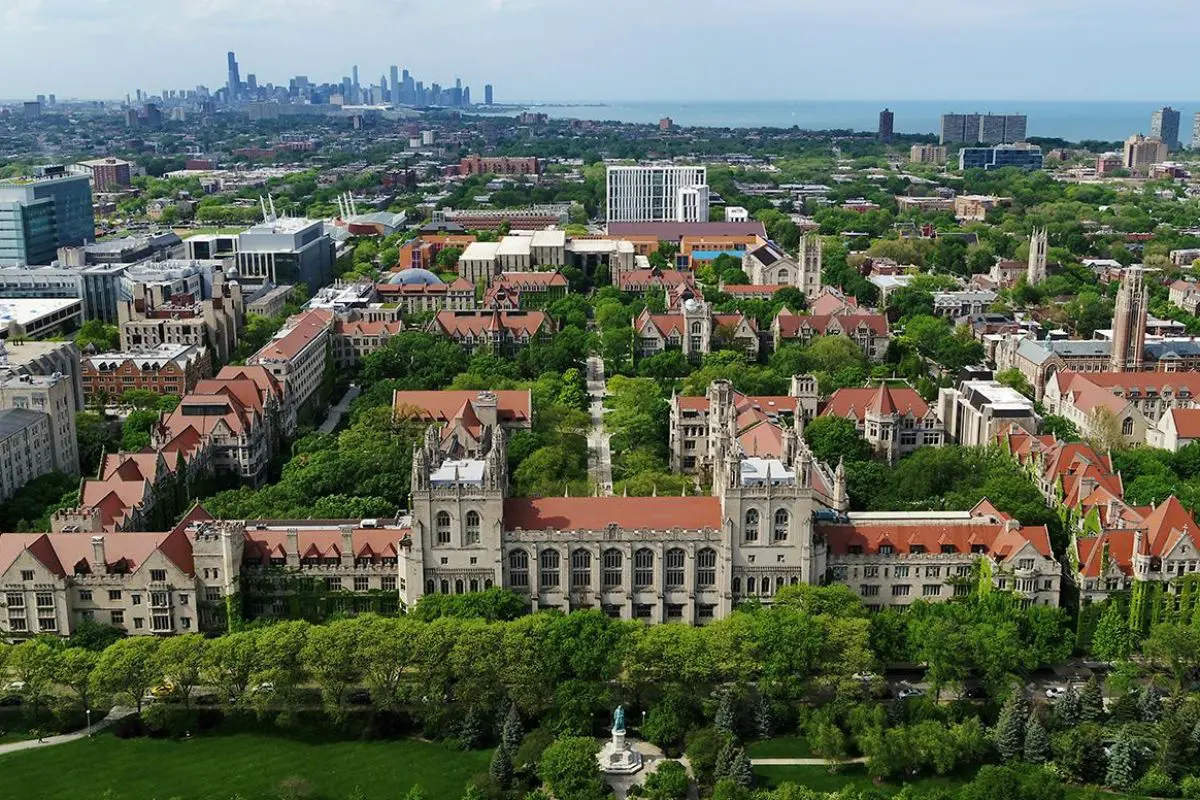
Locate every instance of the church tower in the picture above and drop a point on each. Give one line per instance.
(1129, 323)
(810, 266)
(1038, 248)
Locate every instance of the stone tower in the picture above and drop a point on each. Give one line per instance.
(1129, 323)
(810, 262)
(1038, 247)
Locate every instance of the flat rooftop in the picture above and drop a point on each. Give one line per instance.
(23, 310)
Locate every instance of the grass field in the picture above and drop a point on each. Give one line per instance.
(780, 747)
(245, 765)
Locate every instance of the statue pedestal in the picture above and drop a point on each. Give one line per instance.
(617, 757)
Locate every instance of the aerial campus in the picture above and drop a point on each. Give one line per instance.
(374, 439)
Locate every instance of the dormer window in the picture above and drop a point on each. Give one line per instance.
(916, 549)
(949, 549)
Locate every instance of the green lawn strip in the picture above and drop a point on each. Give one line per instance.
(248, 765)
(780, 747)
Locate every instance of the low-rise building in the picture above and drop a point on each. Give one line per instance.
(25, 451)
(268, 300)
(695, 330)
(927, 154)
(353, 340)
(895, 421)
(1185, 295)
(869, 331)
(414, 293)
(169, 369)
(1175, 430)
(493, 331)
(26, 318)
(155, 316)
(1136, 401)
(975, 412)
(299, 358)
(961, 304)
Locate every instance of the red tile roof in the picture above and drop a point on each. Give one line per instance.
(994, 537)
(791, 325)
(1187, 422)
(854, 403)
(444, 406)
(476, 323)
(597, 513)
(304, 330)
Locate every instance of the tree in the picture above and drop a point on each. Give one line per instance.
(725, 719)
(1111, 641)
(568, 768)
(1122, 763)
(1010, 728)
(741, 771)
(1061, 428)
(1091, 702)
(513, 731)
(1015, 379)
(229, 663)
(180, 660)
(136, 431)
(501, 768)
(668, 782)
(1173, 649)
(470, 731)
(1037, 742)
(1079, 753)
(764, 718)
(33, 664)
(1105, 433)
(447, 259)
(73, 669)
(96, 334)
(831, 438)
(1068, 709)
(332, 656)
(128, 669)
(704, 746)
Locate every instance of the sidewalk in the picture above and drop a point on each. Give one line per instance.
(335, 414)
(803, 762)
(599, 452)
(117, 713)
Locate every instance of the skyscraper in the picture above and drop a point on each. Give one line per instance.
(1164, 124)
(354, 83)
(234, 81)
(886, 120)
(395, 84)
(41, 214)
(487, 94)
(1196, 132)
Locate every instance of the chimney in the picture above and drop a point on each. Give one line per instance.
(293, 547)
(347, 545)
(99, 560)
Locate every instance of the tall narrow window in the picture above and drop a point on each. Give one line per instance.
(518, 568)
(752, 525)
(581, 569)
(611, 566)
(442, 526)
(472, 532)
(675, 559)
(549, 577)
(780, 533)
(643, 568)
(706, 568)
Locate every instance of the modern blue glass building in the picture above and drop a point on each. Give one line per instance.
(1021, 156)
(38, 215)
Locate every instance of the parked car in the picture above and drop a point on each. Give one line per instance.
(910, 691)
(1055, 692)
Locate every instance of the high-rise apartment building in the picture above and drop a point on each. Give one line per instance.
(887, 121)
(983, 128)
(1164, 125)
(659, 193)
(38, 215)
(927, 154)
(395, 85)
(1196, 132)
(109, 173)
(487, 94)
(1142, 151)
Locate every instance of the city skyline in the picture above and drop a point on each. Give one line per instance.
(181, 45)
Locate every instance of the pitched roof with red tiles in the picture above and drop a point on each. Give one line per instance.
(476, 323)
(830, 302)
(639, 280)
(791, 325)
(303, 331)
(365, 328)
(982, 535)
(883, 400)
(67, 553)
(597, 513)
(322, 543)
(1186, 422)
(444, 406)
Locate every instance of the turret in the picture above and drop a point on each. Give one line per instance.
(840, 496)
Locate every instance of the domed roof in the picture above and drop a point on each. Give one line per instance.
(415, 277)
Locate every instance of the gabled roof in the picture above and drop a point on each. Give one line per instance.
(597, 513)
(790, 325)
(882, 401)
(512, 406)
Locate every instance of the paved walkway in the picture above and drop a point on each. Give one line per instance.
(117, 713)
(337, 412)
(804, 762)
(599, 452)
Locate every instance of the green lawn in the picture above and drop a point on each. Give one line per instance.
(248, 765)
(780, 747)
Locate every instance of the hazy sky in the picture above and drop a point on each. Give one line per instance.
(553, 50)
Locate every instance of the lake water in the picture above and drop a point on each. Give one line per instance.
(1071, 120)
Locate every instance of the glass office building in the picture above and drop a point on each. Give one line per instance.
(38, 215)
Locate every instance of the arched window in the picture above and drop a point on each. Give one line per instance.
(581, 569)
(1127, 427)
(749, 585)
(474, 585)
(752, 525)
(779, 583)
(697, 329)
(549, 576)
(611, 564)
(442, 526)
(706, 568)
(737, 585)
(430, 586)
(795, 581)
(445, 587)
(675, 559)
(458, 586)
(780, 533)
(766, 587)
(472, 533)
(643, 568)
(518, 568)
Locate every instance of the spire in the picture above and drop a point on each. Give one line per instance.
(882, 403)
